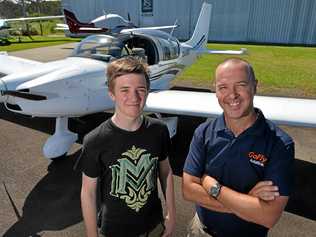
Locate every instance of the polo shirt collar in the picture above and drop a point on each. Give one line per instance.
(255, 129)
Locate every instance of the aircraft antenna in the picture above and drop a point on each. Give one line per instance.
(130, 23)
(128, 17)
(175, 25)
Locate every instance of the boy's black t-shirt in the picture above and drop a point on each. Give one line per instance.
(127, 164)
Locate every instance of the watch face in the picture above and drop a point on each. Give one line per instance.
(215, 189)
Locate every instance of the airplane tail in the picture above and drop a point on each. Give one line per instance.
(200, 34)
(73, 23)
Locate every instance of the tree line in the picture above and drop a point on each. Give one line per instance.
(24, 8)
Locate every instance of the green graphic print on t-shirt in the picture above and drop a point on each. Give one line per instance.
(134, 177)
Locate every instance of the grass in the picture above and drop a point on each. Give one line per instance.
(38, 41)
(36, 27)
(280, 70)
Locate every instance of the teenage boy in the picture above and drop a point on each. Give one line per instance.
(126, 154)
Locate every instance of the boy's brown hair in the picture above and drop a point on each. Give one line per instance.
(125, 66)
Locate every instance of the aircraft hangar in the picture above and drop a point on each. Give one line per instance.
(255, 21)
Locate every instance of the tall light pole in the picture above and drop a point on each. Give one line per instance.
(24, 15)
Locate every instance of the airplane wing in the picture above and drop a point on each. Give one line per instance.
(231, 52)
(11, 64)
(281, 110)
(60, 26)
(91, 28)
(33, 18)
(148, 28)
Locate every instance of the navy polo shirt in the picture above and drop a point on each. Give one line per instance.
(261, 152)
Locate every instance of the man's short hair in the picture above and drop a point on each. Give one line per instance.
(125, 66)
(249, 68)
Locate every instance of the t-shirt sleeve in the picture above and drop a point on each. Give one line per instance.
(166, 144)
(89, 157)
(280, 169)
(195, 161)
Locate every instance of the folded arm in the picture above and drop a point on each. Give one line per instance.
(248, 207)
(193, 191)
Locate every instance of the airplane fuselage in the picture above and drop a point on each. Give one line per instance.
(76, 86)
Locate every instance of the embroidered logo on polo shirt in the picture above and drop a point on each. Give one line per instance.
(258, 159)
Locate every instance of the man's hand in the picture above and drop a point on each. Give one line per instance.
(265, 190)
(170, 225)
(207, 182)
(193, 190)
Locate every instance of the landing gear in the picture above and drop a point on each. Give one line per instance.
(61, 141)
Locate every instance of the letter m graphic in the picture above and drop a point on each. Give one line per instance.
(134, 175)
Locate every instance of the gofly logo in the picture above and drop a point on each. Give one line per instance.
(258, 159)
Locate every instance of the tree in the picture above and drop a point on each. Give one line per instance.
(24, 8)
(9, 9)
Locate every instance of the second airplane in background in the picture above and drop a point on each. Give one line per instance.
(76, 28)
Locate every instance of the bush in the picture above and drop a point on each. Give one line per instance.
(15, 32)
(32, 31)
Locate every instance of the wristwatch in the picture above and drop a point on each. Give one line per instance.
(215, 190)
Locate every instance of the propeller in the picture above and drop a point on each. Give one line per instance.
(24, 95)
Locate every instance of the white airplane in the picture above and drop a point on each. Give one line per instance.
(5, 26)
(97, 26)
(77, 85)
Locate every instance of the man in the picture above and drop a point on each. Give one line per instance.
(239, 168)
(126, 154)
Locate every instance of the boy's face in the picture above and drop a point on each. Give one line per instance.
(129, 95)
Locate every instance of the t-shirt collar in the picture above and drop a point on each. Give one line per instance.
(118, 129)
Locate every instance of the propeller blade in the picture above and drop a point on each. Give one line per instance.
(24, 95)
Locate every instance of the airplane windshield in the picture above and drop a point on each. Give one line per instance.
(100, 47)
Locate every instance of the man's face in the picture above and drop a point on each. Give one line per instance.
(129, 94)
(234, 90)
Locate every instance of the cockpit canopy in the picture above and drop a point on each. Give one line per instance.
(100, 47)
(151, 46)
(168, 45)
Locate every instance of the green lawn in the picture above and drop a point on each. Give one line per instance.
(280, 70)
(38, 41)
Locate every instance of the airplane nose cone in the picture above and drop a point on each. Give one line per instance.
(2, 88)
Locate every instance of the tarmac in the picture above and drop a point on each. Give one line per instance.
(40, 197)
